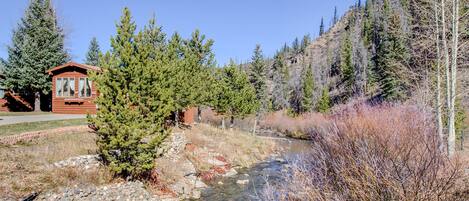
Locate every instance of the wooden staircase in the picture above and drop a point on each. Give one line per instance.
(16, 101)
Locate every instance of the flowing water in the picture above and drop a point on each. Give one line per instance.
(270, 170)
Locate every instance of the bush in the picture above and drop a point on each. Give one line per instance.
(296, 127)
(374, 153)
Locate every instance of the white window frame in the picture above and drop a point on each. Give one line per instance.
(60, 87)
(85, 84)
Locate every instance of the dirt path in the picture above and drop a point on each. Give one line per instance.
(5, 120)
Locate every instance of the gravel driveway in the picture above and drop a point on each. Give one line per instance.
(5, 120)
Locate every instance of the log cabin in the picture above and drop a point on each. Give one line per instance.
(73, 92)
(3, 100)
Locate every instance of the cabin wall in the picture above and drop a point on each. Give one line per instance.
(3, 105)
(75, 104)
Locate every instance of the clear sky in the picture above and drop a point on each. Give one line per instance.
(235, 25)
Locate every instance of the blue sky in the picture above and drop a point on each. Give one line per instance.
(236, 26)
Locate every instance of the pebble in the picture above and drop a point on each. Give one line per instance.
(243, 182)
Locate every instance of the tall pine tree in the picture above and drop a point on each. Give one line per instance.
(392, 56)
(307, 88)
(134, 101)
(258, 77)
(235, 96)
(93, 54)
(321, 27)
(37, 45)
(346, 64)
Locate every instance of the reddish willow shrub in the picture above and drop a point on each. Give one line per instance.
(374, 153)
(297, 127)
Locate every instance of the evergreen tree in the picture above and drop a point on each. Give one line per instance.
(296, 46)
(392, 56)
(280, 81)
(235, 96)
(92, 56)
(134, 101)
(307, 88)
(258, 77)
(37, 45)
(200, 58)
(305, 43)
(321, 27)
(324, 103)
(335, 18)
(346, 64)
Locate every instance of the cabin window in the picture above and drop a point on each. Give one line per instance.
(72, 86)
(58, 87)
(2, 93)
(84, 87)
(65, 87)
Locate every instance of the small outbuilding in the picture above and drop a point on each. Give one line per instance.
(73, 92)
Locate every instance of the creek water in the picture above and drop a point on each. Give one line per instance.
(256, 177)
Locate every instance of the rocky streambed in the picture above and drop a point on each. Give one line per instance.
(250, 183)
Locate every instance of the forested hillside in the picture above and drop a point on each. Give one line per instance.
(383, 50)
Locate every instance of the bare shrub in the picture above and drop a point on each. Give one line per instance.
(297, 127)
(374, 153)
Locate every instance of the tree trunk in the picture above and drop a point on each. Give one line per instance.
(255, 126)
(199, 115)
(231, 122)
(176, 119)
(454, 68)
(37, 102)
(446, 57)
(439, 120)
(223, 122)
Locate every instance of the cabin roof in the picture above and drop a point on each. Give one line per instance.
(73, 64)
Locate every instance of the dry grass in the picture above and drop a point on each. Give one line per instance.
(238, 147)
(26, 167)
(374, 153)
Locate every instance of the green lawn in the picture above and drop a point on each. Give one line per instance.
(13, 129)
(4, 114)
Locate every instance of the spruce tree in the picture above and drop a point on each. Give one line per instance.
(392, 56)
(134, 102)
(324, 103)
(235, 96)
(37, 45)
(258, 77)
(93, 54)
(305, 43)
(321, 27)
(307, 88)
(346, 64)
(201, 61)
(335, 17)
(296, 46)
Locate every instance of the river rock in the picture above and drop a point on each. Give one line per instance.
(215, 162)
(121, 191)
(243, 181)
(230, 173)
(84, 162)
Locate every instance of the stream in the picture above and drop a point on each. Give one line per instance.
(256, 177)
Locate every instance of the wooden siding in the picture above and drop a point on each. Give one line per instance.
(3, 105)
(73, 104)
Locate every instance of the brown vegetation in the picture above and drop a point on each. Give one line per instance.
(374, 153)
(26, 167)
